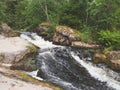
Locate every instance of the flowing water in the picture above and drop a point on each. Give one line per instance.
(69, 68)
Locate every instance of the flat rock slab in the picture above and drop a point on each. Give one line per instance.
(14, 84)
(13, 49)
(80, 44)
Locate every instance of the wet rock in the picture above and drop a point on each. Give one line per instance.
(60, 68)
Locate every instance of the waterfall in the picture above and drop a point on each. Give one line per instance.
(69, 68)
(100, 73)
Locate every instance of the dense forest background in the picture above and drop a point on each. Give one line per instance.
(98, 20)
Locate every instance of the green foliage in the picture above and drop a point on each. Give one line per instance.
(110, 39)
(2, 10)
(102, 13)
(86, 34)
(38, 11)
(51, 30)
(11, 12)
(89, 16)
(74, 13)
(32, 64)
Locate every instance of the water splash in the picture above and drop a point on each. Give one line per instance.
(98, 73)
(37, 40)
(46, 47)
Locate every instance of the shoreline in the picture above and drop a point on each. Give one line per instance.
(10, 77)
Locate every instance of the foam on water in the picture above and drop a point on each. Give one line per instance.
(94, 71)
(98, 73)
(38, 41)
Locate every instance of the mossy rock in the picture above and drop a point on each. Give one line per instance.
(99, 58)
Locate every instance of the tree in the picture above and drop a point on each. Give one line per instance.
(42, 11)
(102, 13)
(75, 13)
(2, 10)
(12, 12)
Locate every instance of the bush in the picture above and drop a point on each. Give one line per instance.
(110, 39)
(86, 34)
(50, 30)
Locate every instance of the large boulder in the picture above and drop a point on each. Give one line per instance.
(16, 51)
(115, 64)
(6, 31)
(99, 58)
(65, 35)
(114, 59)
(111, 58)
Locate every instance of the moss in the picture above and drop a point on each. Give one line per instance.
(32, 48)
(31, 64)
(25, 77)
(1, 56)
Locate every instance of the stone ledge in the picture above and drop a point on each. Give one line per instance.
(80, 44)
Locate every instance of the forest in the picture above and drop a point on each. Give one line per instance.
(97, 20)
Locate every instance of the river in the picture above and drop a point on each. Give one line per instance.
(70, 68)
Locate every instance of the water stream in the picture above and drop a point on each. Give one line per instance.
(70, 68)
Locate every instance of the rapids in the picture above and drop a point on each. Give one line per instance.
(69, 68)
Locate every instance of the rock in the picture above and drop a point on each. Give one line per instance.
(114, 59)
(15, 51)
(6, 31)
(99, 58)
(60, 39)
(115, 64)
(113, 55)
(5, 27)
(111, 58)
(39, 30)
(80, 44)
(64, 35)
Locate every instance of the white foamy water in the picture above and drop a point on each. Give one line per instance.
(38, 41)
(98, 73)
(94, 71)
(34, 74)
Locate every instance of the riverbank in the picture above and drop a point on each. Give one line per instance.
(19, 80)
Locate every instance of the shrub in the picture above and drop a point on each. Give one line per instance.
(50, 30)
(86, 34)
(110, 39)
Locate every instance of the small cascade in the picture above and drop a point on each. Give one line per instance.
(37, 40)
(101, 73)
(69, 68)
